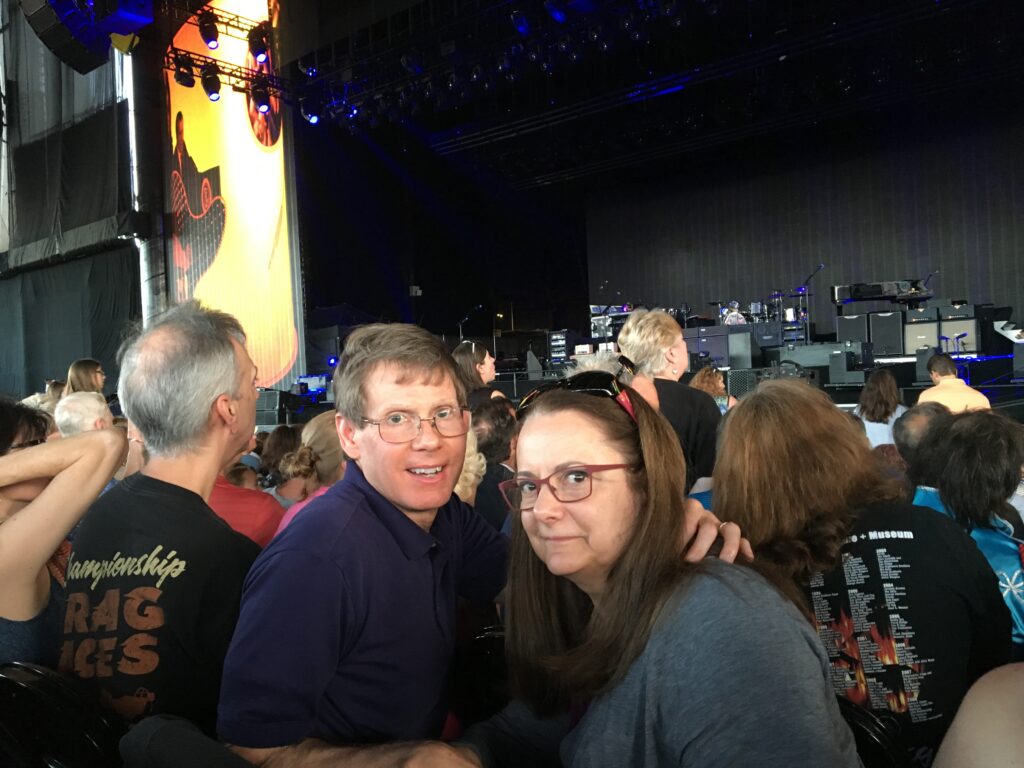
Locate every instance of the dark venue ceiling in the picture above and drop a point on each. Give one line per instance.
(514, 128)
(622, 83)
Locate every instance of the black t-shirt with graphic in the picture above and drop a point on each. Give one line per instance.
(154, 584)
(910, 620)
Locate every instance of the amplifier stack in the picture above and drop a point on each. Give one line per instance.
(952, 328)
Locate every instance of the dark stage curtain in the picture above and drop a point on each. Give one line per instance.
(71, 189)
(950, 199)
(58, 314)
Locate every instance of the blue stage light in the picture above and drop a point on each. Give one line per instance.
(332, 361)
(520, 22)
(556, 10)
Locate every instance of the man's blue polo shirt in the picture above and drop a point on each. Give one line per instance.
(347, 624)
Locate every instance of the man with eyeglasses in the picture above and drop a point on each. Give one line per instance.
(347, 621)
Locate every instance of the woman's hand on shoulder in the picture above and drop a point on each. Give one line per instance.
(701, 530)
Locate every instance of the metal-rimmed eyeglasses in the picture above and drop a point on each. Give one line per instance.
(567, 485)
(403, 427)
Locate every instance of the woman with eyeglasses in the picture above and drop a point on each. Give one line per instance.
(45, 487)
(622, 651)
(475, 365)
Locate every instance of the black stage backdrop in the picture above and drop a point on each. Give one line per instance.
(899, 201)
(55, 315)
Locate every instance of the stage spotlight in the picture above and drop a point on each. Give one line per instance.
(258, 43)
(207, 21)
(556, 10)
(504, 64)
(310, 110)
(260, 94)
(209, 76)
(183, 70)
(307, 65)
(534, 51)
(476, 74)
(520, 22)
(332, 361)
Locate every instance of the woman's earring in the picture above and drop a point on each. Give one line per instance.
(674, 371)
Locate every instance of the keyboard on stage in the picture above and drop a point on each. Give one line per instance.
(901, 291)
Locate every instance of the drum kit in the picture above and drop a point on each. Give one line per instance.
(780, 306)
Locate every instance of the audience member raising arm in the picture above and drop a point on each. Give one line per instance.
(44, 490)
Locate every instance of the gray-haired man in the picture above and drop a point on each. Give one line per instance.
(155, 576)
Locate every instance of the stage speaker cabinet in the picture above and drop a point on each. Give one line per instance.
(819, 355)
(886, 332)
(768, 334)
(852, 328)
(918, 335)
(740, 383)
(84, 49)
(921, 315)
(953, 328)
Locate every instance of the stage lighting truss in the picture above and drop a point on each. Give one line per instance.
(212, 22)
(239, 79)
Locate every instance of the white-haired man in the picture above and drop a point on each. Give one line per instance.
(82, 412)
(155, 576)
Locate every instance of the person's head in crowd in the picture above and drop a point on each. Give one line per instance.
(284, 439)
(653, 341)
(297, 465)
(261, 442)
(85, 375)
(21, 426)
(475, 364)
(82, 412)
(243, 477)
(983, 455)
(709, 379)
(627, 508)
(320, 435)
(792, 471)
(919, 434)
(189, 386)
(391, 378)
(880, 396)
(494, 423)
(941, 366)
(473, 467)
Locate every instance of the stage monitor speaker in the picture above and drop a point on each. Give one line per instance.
(852, 328)
(887, 333)
(917, 335)
(818, 355)
(953, 328)
(922, 315)
(67, 31)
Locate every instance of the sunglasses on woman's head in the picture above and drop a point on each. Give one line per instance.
(596, 383)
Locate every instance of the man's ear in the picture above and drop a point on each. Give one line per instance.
(226, 409)
(346, 435)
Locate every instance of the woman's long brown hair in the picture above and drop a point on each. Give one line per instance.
(880, 397)
(792, 472)
(559, 647)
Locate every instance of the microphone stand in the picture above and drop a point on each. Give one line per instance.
(804, 306)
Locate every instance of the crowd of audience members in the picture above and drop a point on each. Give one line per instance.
(674, 576)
